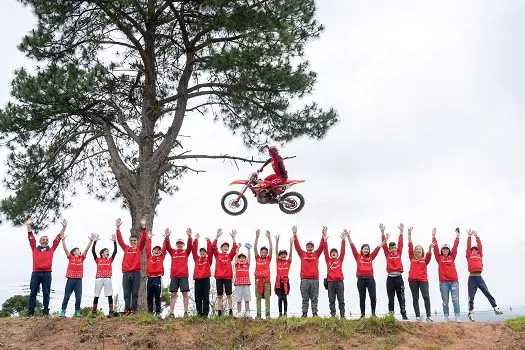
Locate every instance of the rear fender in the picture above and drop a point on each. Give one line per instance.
(239, 182)
(290, 183)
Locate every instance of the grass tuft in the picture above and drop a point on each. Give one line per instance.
(516, 324)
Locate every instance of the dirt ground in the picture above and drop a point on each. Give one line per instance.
(119, 334)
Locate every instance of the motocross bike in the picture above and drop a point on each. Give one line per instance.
(235, 202)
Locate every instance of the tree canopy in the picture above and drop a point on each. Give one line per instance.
(17, 306)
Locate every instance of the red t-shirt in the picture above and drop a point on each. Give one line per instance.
(242, 274)
(283, 269)
(223, 262)
(131, 262)
(262, 267)
(364, 263)
(75, 268)
(104, 267)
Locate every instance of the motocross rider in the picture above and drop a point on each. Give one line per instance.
(280, 176)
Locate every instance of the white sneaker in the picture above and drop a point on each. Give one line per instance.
(497, 311)
(429, 319)
(457, 319)
(471, 316)
(239, 314)
(447, 319)
(247, 314)
(418, 319)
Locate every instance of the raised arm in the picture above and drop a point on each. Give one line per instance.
(324, 237)
(148, 245)
(255, 244)
(233, 251)
(325, 251)
(469, 243)
(270, 243)
(64, 245)
(209, 250)
(296, 244)
(189, 243)
(343, 247)
(195, 248)
(264, 165)
(215, 242)
(428, 256)
(383, 244)
(114, 254)
(354, 251)
(435, 244)
(143, 234)
(383, 239)
(400, 239)
(93, 250)
(249, 256)
(91, 238)
(30, 236)
(478, 242)
(120, 241)
(291, 251)
(276, 248)
(167, 244)
(454, 251)
(236, 258)
(410, 245)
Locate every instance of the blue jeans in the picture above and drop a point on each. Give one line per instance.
(73, 285)
(475, 282)
(38, 278)
(452, 288)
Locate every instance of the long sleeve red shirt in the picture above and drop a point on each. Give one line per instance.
(202, 265)
(179, 259)
(42, 257)
(393, 260)
(475, 260)
(309, 261)
(364, 262)
(262, 267)
(155, 264)
(132, 255)
(447, 265)
(223, 262)
(335, 266)
(418, 268)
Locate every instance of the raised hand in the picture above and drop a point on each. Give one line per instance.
(143, 222)
(475, 233)
(257, 233)
(457, 232)
(94, 237)
(291, 240)
(64, 223)
(113, 237)
(197, 236)
(277, 237)
(382, 227)
(470, 232)
(233, 233)
(387, 236)
(431, 247)
(219, 232)
(167, 233)
(346, 233)
(63, 236)
(188, 232)
(150, 235)
(239, 245)
(343, 235)
(294, 231)
(410, 231)
(207, 238)
(401, 227)
(268, 234)
(30, 221)
(118, 222)
(434, 232)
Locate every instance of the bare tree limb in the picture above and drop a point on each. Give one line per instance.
(222, 156)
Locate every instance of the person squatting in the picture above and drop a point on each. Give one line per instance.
(232, 269)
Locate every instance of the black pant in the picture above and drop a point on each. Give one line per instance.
(202, 296)
(364, 283)
(395, 285)
(415, 287)
(336, 289)
(73, 285)
(282, 301)
(130, 285)
(153, 291)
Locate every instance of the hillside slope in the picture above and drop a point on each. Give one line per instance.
(141, 332)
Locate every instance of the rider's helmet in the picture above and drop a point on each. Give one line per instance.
(272, 150)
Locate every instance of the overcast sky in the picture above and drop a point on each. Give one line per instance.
(430, 96)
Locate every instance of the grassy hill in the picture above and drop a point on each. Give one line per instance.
(144, 332)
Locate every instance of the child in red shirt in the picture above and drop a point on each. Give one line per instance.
(74, 274)
(335, 279)
(104, 273)
(417, 276)
(242, 282)
(223, 270)
(201, 275)
(263, 285)
(154, 272)
(282, 283)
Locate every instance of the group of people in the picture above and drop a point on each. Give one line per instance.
(232, 269)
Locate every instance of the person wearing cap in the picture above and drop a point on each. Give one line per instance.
(475, 267)
(394, 267)
(282, 281)
(154, 272)
(131, 265)
(365, 273)
(263, 286)
(242, 282)
(74, 274)
(224, 271)
(201, 275)
(417, 276)
(103, 275)
(448, 276)
(42, 267)
(179, 272)
(335, 278)
(309, 271)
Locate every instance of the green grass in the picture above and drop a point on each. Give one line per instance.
(516, 324)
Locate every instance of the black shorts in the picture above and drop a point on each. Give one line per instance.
(179, 283)
(223, 286)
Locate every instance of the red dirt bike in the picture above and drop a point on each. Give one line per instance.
(235, 203)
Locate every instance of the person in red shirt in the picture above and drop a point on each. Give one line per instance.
(42, 267)
(474, 256)
(131, 265)
(448, 276)
(74, 274)
(309, 271)
(280, 174)
(335, 278)
(201, 275)
(179, 271)
(154, 272)
(417, 276)
(103, 276)
(223, 270)
(263, 286)
(282, 281)
(365, 273)
(394, 267)
(242, 282)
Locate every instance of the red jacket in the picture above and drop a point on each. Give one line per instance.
(335, 266)
(309, 261)
(393, 260)
(131, 262)
(75, 267)
(447, 266)
(179, 259)
(42, 257)
(155, 264)
(418, 268)
(223, 262)
(475, 260)
(262, 267)
(364, 263)
(202, 265)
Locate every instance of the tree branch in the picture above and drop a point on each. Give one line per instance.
(222, 156)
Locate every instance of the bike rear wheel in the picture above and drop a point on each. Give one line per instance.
(234, 203)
